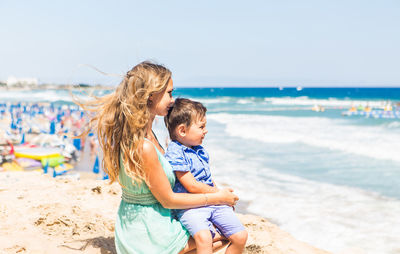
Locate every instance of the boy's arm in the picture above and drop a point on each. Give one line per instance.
(192, 185)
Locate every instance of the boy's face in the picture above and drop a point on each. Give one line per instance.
(194, 134)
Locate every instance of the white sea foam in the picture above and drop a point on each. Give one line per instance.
(303, 101)
(54, 95)
(244, 101)
(335, 218)
(332, 102)
(393, 125)
(336, 134)
(209, 101)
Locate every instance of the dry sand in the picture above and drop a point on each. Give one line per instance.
(40, 214)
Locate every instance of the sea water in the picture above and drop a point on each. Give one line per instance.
(329, 180)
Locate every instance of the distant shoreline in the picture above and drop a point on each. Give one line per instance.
(199, 86)
(55, 87)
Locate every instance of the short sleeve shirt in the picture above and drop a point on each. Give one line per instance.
(185, 159)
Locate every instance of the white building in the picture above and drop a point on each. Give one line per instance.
(13, 81)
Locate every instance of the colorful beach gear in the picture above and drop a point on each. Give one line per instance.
(36, 153)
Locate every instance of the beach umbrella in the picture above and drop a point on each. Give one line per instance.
(52, 127)
(46, 167)
(96, 166)
(77, 143)
(23, 138)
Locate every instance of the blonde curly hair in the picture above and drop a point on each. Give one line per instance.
(120, 119)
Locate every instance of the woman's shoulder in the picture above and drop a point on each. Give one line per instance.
(148, 149)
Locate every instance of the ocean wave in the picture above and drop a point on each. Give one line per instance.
(332, 217)
(393, 125)
(210, 101)
(305, 101)
(335, 134)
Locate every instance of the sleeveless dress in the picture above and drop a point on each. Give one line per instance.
(143, 225)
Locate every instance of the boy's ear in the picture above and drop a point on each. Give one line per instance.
(181, 130)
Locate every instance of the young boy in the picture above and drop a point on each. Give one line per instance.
(186, 123)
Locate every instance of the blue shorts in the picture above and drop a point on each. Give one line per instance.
(222, 216)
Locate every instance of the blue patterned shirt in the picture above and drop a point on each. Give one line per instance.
(185, 159)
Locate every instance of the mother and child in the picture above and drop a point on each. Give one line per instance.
(170, 204)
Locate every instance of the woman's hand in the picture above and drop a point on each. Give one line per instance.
(227, 196)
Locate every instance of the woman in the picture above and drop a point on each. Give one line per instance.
(134, 157)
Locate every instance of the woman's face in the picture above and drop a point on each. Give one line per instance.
(161, 102)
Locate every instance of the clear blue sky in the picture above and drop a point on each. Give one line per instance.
(205, 43)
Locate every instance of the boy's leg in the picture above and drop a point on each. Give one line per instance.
(219, 242)
(196, 221)
(238, 242)
(229, 224)
(203, 239)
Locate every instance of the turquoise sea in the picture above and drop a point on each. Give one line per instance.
(328, 179)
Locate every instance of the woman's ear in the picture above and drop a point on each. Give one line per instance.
(181, 130)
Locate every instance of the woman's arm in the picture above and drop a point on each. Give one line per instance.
(161, 189)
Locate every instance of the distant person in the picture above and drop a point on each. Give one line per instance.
(388, 107)
(368, 109)
(93, 143)
(133, 157)
(186, 123)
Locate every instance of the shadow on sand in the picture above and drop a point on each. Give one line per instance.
(106, 245)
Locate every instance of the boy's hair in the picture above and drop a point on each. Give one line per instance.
(185, 112)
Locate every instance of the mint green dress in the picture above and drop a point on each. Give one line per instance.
(143, 225)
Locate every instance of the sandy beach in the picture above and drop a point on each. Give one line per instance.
(41, 214)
